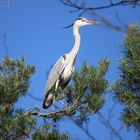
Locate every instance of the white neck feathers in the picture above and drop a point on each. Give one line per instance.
(75, 48)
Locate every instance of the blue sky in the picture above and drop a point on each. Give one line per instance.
(35, 30)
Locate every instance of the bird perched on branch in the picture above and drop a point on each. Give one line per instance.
(61, 72)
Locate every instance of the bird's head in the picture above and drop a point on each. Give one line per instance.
(81, 21)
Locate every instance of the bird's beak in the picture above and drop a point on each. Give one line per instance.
(91, 22)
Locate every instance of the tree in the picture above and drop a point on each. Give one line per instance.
(14, 82)
(85, 96)
(82, 99)
(15, 123)
(127, 87)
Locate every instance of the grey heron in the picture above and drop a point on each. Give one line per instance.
(61, 72)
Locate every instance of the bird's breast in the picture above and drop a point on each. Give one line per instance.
(67, 73)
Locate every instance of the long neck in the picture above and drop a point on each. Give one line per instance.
(75, 48)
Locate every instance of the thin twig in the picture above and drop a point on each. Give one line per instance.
(50, 114)
(84, 130)
(35, 98)
(82, 8)
(108, 125)
(109, 5)
(5, 46)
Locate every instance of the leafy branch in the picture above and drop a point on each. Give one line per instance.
(84, 97)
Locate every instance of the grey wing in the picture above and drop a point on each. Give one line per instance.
(55, 73)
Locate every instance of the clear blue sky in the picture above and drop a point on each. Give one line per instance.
(34, 29)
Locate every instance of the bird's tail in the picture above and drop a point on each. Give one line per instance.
(48, 101)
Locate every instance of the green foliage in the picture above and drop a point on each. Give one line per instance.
(14, 82)
(127, 87)
(16, 124)
(14, 79)
(44, 133)
(83, 98)
(85, 95)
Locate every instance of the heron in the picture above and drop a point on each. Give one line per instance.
(63, 69)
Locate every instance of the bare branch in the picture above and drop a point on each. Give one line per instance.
(35, 98)
(83, 8)
(83, 129)
(109, 23)
(72, 4)
(109, 126)
(5, 46)
(57, 114)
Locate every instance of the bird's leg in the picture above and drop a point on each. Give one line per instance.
(56, 84)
